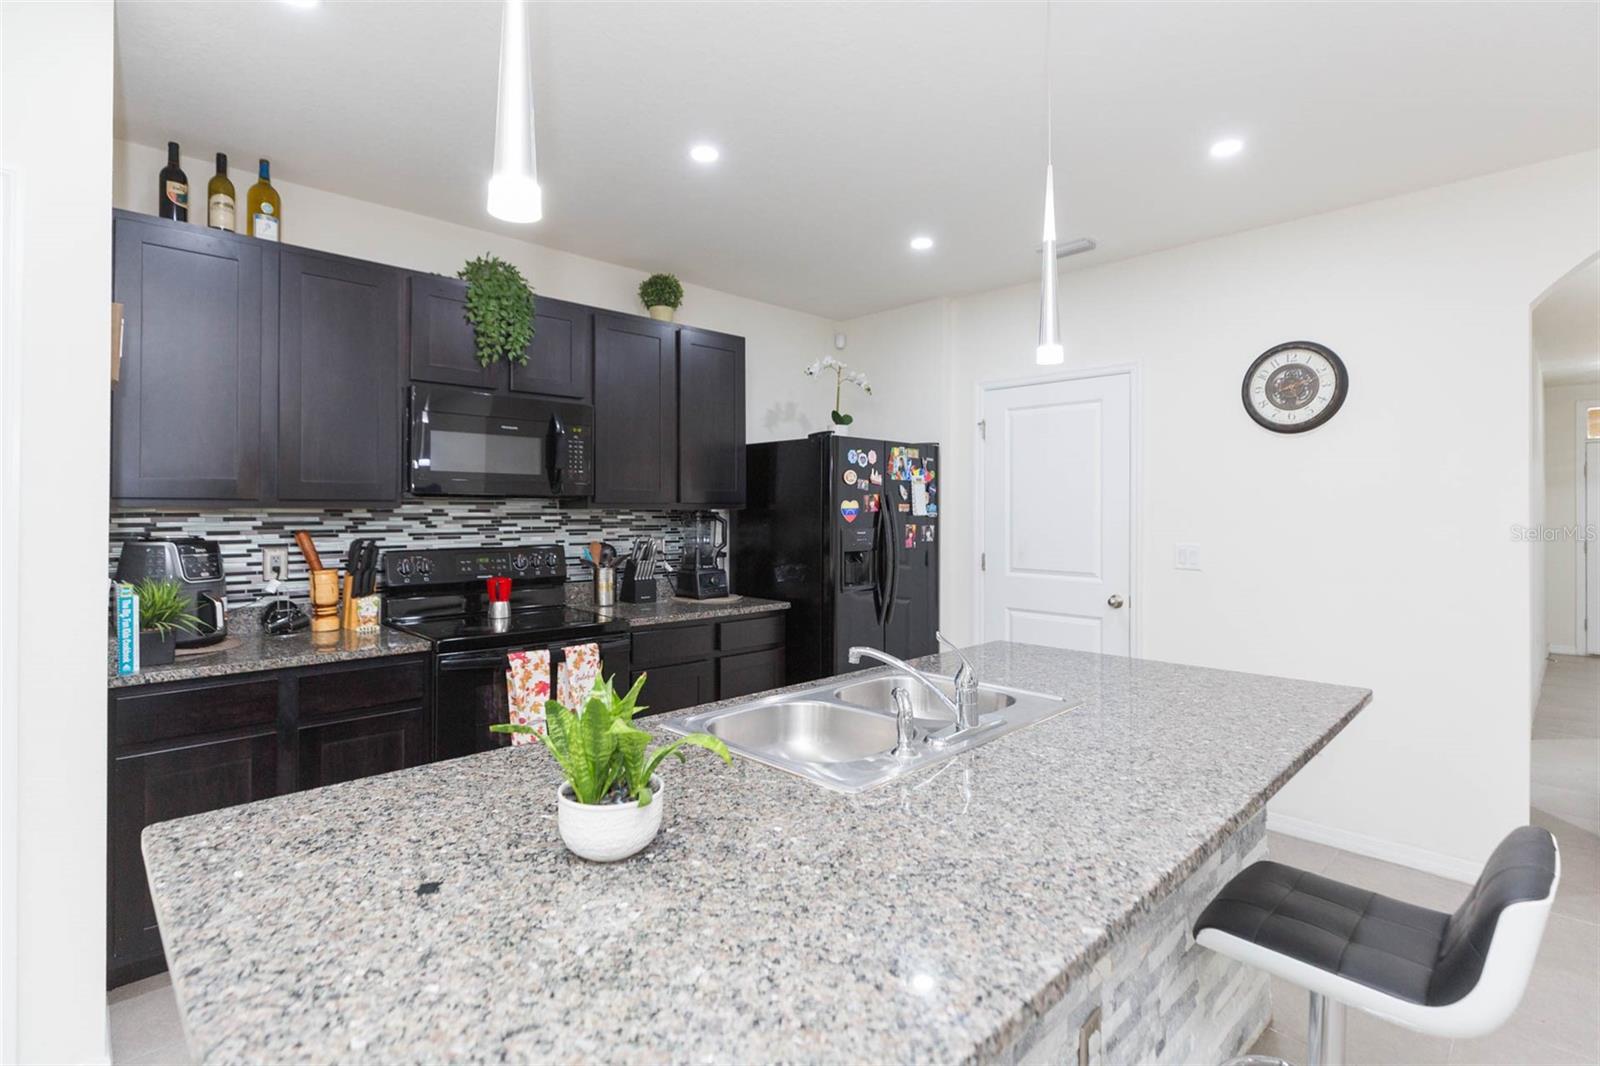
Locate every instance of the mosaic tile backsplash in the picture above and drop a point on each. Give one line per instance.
(243, 534)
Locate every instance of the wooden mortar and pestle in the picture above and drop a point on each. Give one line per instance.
(324, 587)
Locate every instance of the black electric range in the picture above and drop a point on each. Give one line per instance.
(442, 596)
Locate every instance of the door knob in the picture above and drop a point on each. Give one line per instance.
(1115, 601)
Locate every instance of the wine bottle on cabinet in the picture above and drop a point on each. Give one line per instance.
(219, 197)
(266, 211)
(174, 187)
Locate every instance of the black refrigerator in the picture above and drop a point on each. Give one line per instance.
(847, 530)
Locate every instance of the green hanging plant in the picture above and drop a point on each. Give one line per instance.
(500, 308)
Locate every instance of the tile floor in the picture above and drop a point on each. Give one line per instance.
(1557, 1024)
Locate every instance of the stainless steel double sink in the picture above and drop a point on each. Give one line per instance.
(841, 734)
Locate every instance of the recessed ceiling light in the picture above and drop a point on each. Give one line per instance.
(1226, 148)
(921, 244)
(705, 153)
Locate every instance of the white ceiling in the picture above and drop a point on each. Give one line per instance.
(1566, 327)
(847, 128)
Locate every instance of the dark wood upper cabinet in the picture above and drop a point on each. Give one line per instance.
(635, 410)
(338, 379)
(441, 347)
(710, 418)
(187, 412)
(560, 359)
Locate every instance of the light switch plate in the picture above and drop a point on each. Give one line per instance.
(1186, 557)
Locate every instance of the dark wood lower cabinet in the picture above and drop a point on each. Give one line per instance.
(756, 671)
(195, 746)
(672, 688)
(701, 662)
(331, 752)
(156, 786)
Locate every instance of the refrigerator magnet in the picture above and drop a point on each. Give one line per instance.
(872, 455)
(848, 509)
(927, 534)
(911, 534)
(850, 476)
(850, 456)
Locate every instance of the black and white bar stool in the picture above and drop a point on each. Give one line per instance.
(1453, 975)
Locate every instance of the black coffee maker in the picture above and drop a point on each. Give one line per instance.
(196, 565)
(701, 574)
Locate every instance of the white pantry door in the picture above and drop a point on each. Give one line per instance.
(1058, 513)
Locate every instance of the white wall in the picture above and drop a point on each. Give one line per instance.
(1538, 639)
(1562, 473)
(55, 139)
(1395, 519)
(780, 343)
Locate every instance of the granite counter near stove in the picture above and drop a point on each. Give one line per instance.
(249, 649)
(671, 610)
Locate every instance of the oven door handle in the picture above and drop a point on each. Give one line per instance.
(472, 661)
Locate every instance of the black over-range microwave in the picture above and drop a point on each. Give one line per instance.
(467, 442)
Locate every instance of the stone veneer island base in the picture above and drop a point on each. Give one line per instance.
(980, 911)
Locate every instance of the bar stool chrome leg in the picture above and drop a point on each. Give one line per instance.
(1325, 1031)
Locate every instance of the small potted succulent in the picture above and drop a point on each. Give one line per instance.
(610, 805)
(163, 611)
(662, 294)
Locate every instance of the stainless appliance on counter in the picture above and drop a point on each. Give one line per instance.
(196, 565)
(701, 573)
(442, 596)
(467, 442)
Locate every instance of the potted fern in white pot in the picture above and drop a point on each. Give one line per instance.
(612, 799)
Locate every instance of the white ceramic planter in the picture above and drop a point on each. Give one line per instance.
(662, 313)
(606, 832)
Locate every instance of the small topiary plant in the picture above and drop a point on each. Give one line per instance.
(500, 308)
(661, 290)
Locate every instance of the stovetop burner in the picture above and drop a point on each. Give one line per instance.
(534, 624)
(441, 596)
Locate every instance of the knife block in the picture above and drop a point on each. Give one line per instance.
(324, 601)
(637, 589)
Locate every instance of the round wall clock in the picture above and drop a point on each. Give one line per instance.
(1294, 387)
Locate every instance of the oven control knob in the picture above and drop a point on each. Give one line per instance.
(552, 559)
(404, 566)
(519, 561)
(424, 566)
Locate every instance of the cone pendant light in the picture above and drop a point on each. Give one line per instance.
(514, 194)
(1049, 352)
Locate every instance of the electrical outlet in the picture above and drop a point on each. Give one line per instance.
(1187, 557)
(275, 564)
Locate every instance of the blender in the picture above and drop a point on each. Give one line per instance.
(701, 574)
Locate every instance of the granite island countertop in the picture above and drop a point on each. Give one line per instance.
(434, 915)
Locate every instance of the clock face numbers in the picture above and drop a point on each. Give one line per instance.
(1294, 387)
